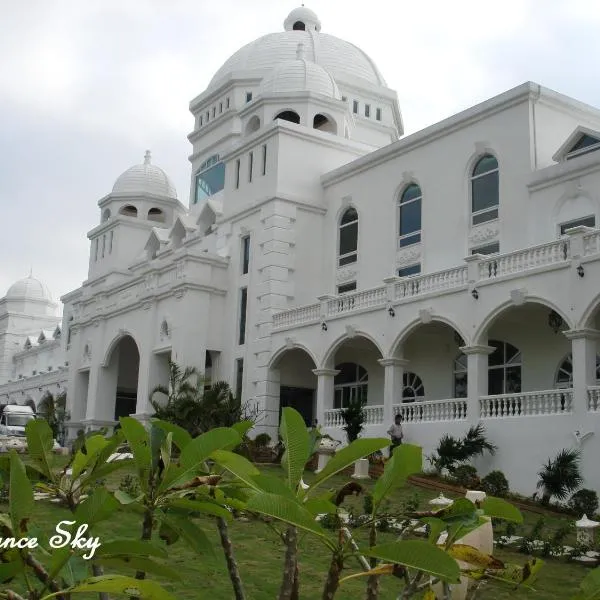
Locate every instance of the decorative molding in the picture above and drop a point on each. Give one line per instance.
(517, 297)
(586, 333)
(484, 234)
(290, 343)
(573, 188)
(393, 362)
(479, 349)
(346, 200)
(343, 275)
(165, 330)
(87, 352)
(481, 147)
(425, 315)
(350, 331)
(408, 255)
(408, 177)
(325, 372)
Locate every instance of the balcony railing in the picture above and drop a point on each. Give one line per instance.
(373, 416)
(526, 404)
(454, 409)
(505, 265)
(591, 243)
(594, 398)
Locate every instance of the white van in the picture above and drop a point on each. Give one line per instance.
(14, 418)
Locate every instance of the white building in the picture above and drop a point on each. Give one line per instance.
(450, 275)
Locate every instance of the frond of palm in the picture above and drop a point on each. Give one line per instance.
(475, 442)
(560, 476)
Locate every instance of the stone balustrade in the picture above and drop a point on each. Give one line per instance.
(527, 404)
(594, 398)
(454, 409)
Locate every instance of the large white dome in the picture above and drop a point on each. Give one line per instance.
(29, 288)
(145, 179)
(343, 60)
(299, 75)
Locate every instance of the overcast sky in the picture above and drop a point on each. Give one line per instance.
(87, 85)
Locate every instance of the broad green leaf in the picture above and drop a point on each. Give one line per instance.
(460, 511)
(319, 506)
(140, 563)
(82, 461)
(296, 440)
(123, 497)
(418, 555)
(289, 511)
(40, 444)
(181, 438)
(139, 442)
(237, 465)
(20, 495)
(10, 569)
(130, 548)
(348, 456)
(243, 427)
(101, 470)
(273, 485)
(195, 454)
(207, 508)
(99, 506)
(190, 533)
(436, 526)
(167, 534)
(590, 586)
(75, 571)
(380, 570)
(141, 589)
(157, 438)
(406, 460)
(501, 509)
(166, 450)
(474, 557)
(58, 560)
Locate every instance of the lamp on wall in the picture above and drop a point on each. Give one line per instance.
(391, 311)
(580, 271)
(555, 321)
(324, 326)
(475, 294)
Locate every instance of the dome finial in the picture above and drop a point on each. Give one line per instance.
(147, 157)
(300, 51)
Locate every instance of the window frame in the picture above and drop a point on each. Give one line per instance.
(478, 249)
(493, 210)
(245, 258)
(417, 234)
(408, 267)
(355, 107)
(264, 159)
(238, 165)
(210, 163)
(351, 257)
(378, 114)
(367, 111)
(358, 388)
(250, 166)
(349, 284)
(562, 227)
(243, 314)
(239, 377)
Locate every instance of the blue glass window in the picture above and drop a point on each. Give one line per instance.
(210, 179)
(485, 190)
(410, 216)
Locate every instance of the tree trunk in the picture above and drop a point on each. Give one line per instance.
(373, 580)
(232, 567)
(146, 536)
(97, 570)
(333, 578)
(290, 565)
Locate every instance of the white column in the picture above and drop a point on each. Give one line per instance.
(584, 349)
(393, 385)
(477, 377)
(325, 378)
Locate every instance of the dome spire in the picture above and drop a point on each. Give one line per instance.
(147, 157)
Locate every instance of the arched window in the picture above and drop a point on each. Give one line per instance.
(410, 216)
(564, 374)
(210, 178)
(348, 244)
(323, 123)
(289, 115)
(155, 214)
(106, 214)
(129, 211)
(299, 26)
(485, 190)
(504, 369)
(460, 376)
(412, 387)
(351, 383)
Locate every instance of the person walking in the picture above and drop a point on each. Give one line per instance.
(396, 433)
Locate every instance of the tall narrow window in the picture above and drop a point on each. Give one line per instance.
(97, 244)
(214, 111)
(248, 96)
(348, 244)
(103, 245)
(504, 369)
(110, 243)
(350, 384)
(367, 110)
(210, 179)
(239, 377)
(245, 254)
(410, 216)
(207, 116)
(237, 173)
(378, 114)
(485, 190)
(250, 165)
(264, 159)
(220, 107)
(355, 106)
(243, 309)
(201, 121)
(227, 102)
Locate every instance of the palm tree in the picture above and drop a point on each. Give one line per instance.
(180, 387)
(54, 410)
(560, 476)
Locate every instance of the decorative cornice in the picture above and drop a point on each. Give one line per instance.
(393, 362)
(325, 372)
(484, 234)
(408, 255)
(585, 333)
(345, 275)
(478, 349)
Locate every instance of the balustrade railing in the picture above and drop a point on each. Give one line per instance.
(373, 416)
(524, 260)
(432, 282)
(526, 404)
(591, 243)
(594, 398)
(297, 316)
(454, 409)
(356, 301)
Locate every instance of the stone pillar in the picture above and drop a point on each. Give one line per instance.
(266, 397)
(584, 349)
(324, 392)
(392, 386)
(477, 377)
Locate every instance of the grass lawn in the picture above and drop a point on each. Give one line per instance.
(260, 556)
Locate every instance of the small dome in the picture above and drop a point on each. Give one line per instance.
(29, 289)
(145, 179)
(299, 75)
(302, 19)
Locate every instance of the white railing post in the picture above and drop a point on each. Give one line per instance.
(583, 348)
(392, 385)
(325, 378)
(477, 378)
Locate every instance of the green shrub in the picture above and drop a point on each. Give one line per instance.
(584, 502)
(466, 476)
(495, 484)
(262, 440)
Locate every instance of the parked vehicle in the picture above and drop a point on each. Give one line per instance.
(14, 418)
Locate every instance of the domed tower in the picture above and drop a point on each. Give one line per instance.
(26, 309)
(142, 198)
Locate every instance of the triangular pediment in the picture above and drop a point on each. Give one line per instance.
(581, 141)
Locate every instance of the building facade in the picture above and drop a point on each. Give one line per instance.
(450, 275)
